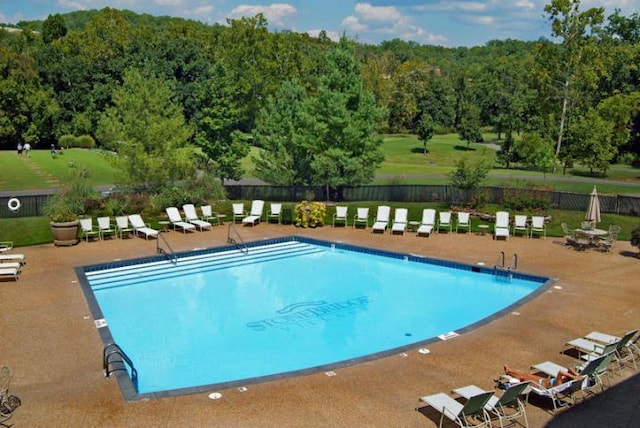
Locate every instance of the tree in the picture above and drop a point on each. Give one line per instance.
(426, 130)
(575, 55)
(53, 28)
(468, 175)
(149, 133)
(217, 126)
(590, 141)
(469, 128)
(536, 152)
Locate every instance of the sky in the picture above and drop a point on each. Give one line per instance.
(434, 22)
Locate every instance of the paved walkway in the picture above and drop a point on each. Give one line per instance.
(49, 340)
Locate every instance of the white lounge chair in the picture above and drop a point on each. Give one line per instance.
(255, 214)
(538, 225)
(10, 272)
(177, 222)
(275, 213)
(238, 212)
(191, 216)
(520, 224)
(12, 258)
(209, 215)
(427, 223)
(122, 226)
(508, 407)
(501, 228)
(87, 230)
(5, 246)
(381, 222)
(140, 227)
(341, 215)
(361, 217)
(105, 227)
(470, 414)
(628, 351)
(399, 224)
(464, 221)
(444, 221)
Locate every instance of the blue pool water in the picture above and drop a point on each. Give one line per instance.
(284, 307)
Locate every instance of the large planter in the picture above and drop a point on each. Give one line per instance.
(65, 233)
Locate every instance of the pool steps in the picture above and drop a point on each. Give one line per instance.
(126, 275)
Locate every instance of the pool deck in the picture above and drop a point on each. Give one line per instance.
(48, 339)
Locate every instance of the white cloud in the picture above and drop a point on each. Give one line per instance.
(371, 21)
(276, 13)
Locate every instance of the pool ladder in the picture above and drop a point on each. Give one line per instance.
(168, 252)
(500, 270)
(239, 243)
(115, 359)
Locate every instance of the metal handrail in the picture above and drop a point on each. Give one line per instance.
(109, 366)
(514, 262)
(171, 254)
(240, 243)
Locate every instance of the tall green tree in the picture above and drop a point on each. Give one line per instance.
(426, 130)
(217, 126)
(148, 131)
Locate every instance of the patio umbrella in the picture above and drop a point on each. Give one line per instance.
(593, 211)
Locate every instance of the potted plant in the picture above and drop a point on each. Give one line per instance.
(64, 207)
(635, 237)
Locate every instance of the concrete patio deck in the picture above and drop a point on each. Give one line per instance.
(48, 339)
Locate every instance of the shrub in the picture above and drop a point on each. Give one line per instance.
(526, 197)
(85, 142)
(67, 141)
(635, 237)
(310, 214)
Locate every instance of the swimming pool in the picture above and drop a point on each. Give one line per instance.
(220, 318)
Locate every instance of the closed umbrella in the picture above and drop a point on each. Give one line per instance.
(593, 211)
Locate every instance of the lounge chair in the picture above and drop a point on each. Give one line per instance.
(538, 226)
(5, 246)
(520, 224)
(274, 213)
(501, 227)
(589, 349)
(592, 375)
(191, 216)
(399, 224)
(177, 222)
(627, 352)
(140, 227)
(10, 272)
(381, 222)
(427, 223)
(470, 414)
(444, 221)
(464, 221)
(361, 217)
(87, 230)
(508, 407)
(122, 226)
(238, 212)
(340, 215)
(12, 258)
(255, 214)
(209, 215)
(8, 403)
(105, 227)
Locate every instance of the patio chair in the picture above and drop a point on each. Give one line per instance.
(520, 224)
(444, 221)
(399, 224)
(191, 216)
(507, 408)
(141, 228)
(275, 212)
(538, 225)
(209, 215)
(427, 223)
(87, 230)
(381, 222)
(238, 212)
(501, 227)
(341, 216)
(464, 221)
(589, 350)
(122, 226)
(255, 214)
(607, 242)
(627, 352)
(105, 228)
(470, 414)
(177, 222)
(361, 217)
(8, 403)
